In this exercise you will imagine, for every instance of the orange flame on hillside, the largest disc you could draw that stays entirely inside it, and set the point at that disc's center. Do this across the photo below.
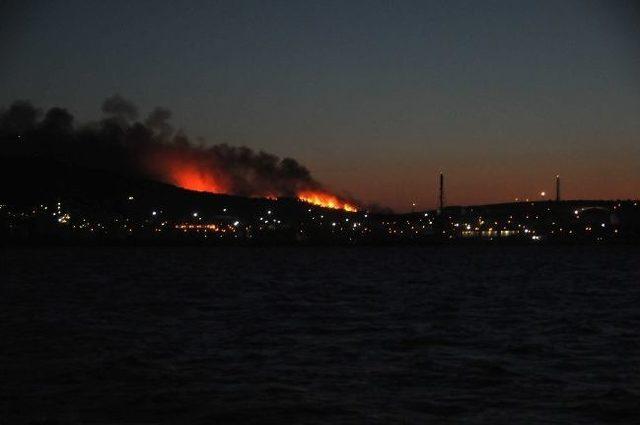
(190, 173)
(182, 171)
(194, 179)
(325, 200)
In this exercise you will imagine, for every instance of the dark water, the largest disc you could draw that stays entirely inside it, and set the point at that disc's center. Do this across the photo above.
(320, 335)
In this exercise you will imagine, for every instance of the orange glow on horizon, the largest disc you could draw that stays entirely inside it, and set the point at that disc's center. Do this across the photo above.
(192, 178)
(191, 174)
(325, 200)
(184, 171)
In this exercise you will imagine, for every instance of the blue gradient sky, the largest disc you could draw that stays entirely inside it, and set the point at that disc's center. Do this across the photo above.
(374, 97)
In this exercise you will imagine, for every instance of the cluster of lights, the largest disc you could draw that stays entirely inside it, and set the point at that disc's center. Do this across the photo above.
(209, 227)
(533, 224)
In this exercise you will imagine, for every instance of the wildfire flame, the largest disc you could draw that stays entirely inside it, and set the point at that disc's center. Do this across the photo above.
(194, 179)
(325, 200)
(189, 173)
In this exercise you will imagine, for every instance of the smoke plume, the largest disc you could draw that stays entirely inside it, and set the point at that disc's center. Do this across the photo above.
(151, 148)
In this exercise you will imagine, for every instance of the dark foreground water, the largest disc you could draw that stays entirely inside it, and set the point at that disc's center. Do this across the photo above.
(320, 335)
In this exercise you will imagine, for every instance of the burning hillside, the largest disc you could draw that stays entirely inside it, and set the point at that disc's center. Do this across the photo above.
(326, 200)
(203, 170)
(153, 149)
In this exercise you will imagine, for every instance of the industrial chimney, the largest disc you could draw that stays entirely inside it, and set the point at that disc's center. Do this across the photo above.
(441, 193)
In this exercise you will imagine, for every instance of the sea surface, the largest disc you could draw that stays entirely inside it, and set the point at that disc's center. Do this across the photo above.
(320, 335)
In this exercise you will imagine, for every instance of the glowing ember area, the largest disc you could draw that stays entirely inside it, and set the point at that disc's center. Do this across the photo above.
(183, 171)
(187, 170)
(193, 179)
(325, 200)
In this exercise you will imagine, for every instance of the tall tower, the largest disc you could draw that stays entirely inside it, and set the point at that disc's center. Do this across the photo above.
(441, 194)
(557, 188)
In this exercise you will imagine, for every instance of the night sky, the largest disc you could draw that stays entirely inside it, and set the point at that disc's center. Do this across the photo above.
(376, 98)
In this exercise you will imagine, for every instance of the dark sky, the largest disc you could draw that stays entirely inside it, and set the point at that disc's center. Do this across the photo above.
(374, 97)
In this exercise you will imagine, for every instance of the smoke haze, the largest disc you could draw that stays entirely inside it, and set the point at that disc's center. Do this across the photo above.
(149, 148)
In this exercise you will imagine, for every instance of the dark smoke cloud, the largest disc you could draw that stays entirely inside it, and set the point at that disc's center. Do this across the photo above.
(120, 109)
(19, 119)
(151, 149)
(158, 121)
(57, 121)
